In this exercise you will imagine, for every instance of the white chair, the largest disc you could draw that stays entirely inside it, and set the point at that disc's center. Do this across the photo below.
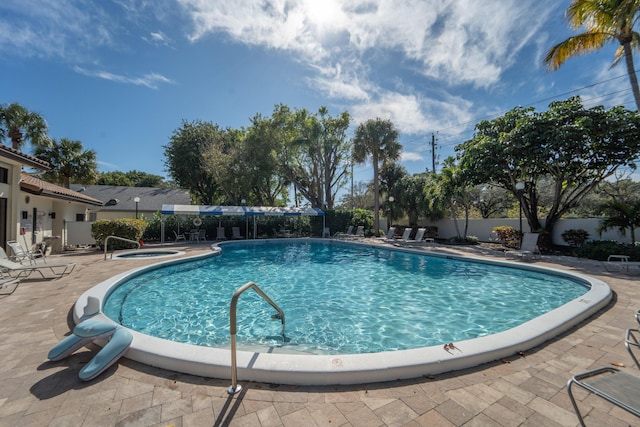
(220, 234)
(57, 270)
(236, 233)
(390, 233)
(360, 231)
(180, 237)
(202, 235)
(326, 232)
(20, 254)
(405, 234)
(528, 247)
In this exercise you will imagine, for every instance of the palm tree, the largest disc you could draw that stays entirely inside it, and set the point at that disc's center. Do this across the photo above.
(622, 216)
(19, 125)
(68, 162)
(606, 21)
(379, 139)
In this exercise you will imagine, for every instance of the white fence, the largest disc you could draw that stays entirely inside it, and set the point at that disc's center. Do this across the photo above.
(78, 233)
(481, 228)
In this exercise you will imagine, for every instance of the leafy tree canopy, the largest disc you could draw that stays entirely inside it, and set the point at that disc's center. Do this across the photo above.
(132, 178)
(569, 148)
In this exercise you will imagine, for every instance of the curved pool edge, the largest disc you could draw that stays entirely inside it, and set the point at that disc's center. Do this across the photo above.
(299, 369)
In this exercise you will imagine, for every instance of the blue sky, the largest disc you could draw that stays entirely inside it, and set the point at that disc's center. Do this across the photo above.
(121, 75)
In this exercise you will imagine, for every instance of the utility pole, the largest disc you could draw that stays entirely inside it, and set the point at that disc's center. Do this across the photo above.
(433, 153)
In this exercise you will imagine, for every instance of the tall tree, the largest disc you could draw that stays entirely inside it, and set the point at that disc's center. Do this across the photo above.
(567, 149)
(606, 21)
(185, 159)
(21, 125)
(378, 139)
(69, 162)
(316, 159)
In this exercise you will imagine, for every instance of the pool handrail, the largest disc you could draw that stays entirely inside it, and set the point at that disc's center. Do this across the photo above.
(235, 387)
(117, 238)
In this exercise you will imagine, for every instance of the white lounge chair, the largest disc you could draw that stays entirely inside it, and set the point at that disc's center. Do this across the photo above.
(528, 247)
(326, 232)
(390, 233)
(16, 270)
(180, 237)
(418, 239)
(8, 283)
(20, 254)
(220, 234)
(236, 233)
(340, 235)
(405, 234)
(360, 231)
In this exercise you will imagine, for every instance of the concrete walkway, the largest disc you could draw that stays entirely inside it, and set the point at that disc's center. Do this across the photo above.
(523, 390)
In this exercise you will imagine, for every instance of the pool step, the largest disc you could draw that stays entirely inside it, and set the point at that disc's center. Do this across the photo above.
(88, 331)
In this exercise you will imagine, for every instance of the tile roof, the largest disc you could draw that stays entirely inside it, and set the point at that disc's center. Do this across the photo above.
(24, 159)
(37, 186)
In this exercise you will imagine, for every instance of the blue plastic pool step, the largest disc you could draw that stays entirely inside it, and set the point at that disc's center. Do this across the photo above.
(88, 331)
(119, 343)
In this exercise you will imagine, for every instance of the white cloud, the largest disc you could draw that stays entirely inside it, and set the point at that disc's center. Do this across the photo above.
(151, 80)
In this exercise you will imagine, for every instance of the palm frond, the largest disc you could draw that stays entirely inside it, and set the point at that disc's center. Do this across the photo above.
(577, 45)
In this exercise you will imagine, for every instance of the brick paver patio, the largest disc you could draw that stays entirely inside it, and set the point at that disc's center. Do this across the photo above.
(523, 390)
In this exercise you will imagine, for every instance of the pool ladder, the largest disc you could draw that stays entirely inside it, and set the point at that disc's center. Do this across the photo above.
(235, 387)
(106, 240)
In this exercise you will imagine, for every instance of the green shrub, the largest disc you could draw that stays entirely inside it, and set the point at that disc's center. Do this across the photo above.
(507, 235)
(601, 249)
(126, 228)
(575, 237)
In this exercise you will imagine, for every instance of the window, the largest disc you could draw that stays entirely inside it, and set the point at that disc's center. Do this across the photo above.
(80, 217)
(4, 175)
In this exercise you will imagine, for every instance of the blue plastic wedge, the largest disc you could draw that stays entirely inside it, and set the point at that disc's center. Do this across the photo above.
(94, 329)
(67, 346)
(110, 353)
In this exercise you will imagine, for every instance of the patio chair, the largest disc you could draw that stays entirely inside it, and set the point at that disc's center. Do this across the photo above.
(528, 247)
(611, 384)
(220, 234)
(202, 235)
(180, 237)
(390, 233)
(326, 232)
(20, 254)
(57, 270)
(348, 233)
(360, 231)
(236, 233)
(8, 283)
(405, 234)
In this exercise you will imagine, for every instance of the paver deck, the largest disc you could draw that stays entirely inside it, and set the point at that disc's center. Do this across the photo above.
(523, 390)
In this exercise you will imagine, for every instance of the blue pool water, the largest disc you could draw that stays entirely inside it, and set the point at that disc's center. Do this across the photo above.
(337, 298)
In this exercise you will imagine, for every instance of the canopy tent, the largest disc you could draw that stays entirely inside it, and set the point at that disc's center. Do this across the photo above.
(254, 211)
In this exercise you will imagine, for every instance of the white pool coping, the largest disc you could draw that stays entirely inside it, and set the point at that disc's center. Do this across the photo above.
(283, 368)
(165, 254)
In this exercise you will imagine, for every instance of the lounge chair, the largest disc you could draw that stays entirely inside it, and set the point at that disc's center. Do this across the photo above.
(528, 247)
(180, 237)
(236, 233)
(20, 254)
(202, 235)
(360, 231)
(16, 270)
(8, 283)
(348, 233)
(326, 232)
(390, 233)
(220, 234)
(620, 263)
(405, 234)
(417, 239)
(612, 384)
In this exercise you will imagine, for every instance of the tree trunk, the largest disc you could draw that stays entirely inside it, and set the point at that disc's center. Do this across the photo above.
(633, 79)
(376, 197)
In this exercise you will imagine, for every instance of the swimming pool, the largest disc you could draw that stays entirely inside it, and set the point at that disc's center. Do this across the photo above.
(421, 346)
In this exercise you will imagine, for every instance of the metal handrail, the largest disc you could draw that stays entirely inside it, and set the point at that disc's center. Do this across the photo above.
(235, 387)
(117, 238)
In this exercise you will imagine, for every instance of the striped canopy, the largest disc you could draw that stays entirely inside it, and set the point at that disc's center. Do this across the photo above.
(202, 210)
